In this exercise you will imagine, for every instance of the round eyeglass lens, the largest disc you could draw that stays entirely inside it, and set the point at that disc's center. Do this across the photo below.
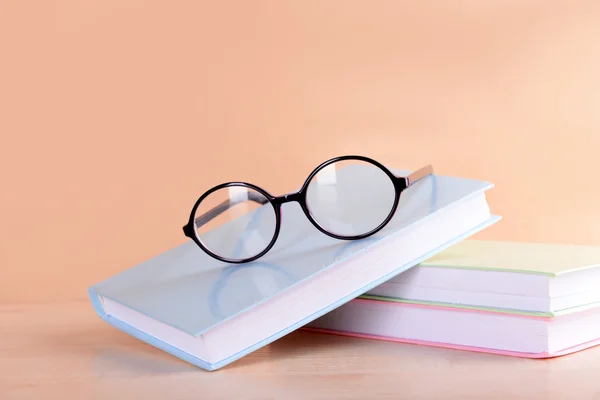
(235, 222)
(350, 197)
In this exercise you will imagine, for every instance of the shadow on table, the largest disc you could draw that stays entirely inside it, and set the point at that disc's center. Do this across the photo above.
(111, 352)
(298, 346)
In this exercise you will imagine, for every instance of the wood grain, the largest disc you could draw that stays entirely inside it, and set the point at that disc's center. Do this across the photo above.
(64, 351)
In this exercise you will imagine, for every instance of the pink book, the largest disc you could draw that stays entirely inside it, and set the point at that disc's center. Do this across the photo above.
(515, 299)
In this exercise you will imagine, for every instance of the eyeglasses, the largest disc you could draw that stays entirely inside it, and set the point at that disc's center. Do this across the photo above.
(348, 198)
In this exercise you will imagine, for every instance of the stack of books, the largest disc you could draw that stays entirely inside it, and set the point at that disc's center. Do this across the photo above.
(418, 280)
(521, 299)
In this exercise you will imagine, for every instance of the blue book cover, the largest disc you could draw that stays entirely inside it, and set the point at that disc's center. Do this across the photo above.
(211, 313)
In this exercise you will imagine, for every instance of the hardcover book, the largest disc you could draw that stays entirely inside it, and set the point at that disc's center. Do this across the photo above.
(211, 313)
(530, 300)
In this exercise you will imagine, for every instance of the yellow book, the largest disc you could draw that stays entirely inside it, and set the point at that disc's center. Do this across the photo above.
(516, 277)
(534, 258)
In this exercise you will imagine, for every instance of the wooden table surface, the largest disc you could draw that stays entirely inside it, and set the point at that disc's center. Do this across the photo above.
(65, 351)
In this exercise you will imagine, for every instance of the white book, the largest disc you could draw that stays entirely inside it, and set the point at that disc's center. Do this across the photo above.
(464, 329)
(211, 313)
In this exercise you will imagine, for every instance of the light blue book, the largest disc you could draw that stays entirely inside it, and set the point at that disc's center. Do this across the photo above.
(210, 313)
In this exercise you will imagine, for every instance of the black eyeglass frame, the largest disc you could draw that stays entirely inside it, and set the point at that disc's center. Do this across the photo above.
(400, 183)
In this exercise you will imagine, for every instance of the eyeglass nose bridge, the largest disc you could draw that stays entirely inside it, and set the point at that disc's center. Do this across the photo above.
(288, 198)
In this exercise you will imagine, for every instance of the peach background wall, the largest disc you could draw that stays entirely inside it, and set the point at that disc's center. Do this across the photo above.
(115, 115)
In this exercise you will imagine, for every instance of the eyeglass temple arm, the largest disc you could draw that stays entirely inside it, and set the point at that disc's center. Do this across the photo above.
(419, 174)
(225, 205)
